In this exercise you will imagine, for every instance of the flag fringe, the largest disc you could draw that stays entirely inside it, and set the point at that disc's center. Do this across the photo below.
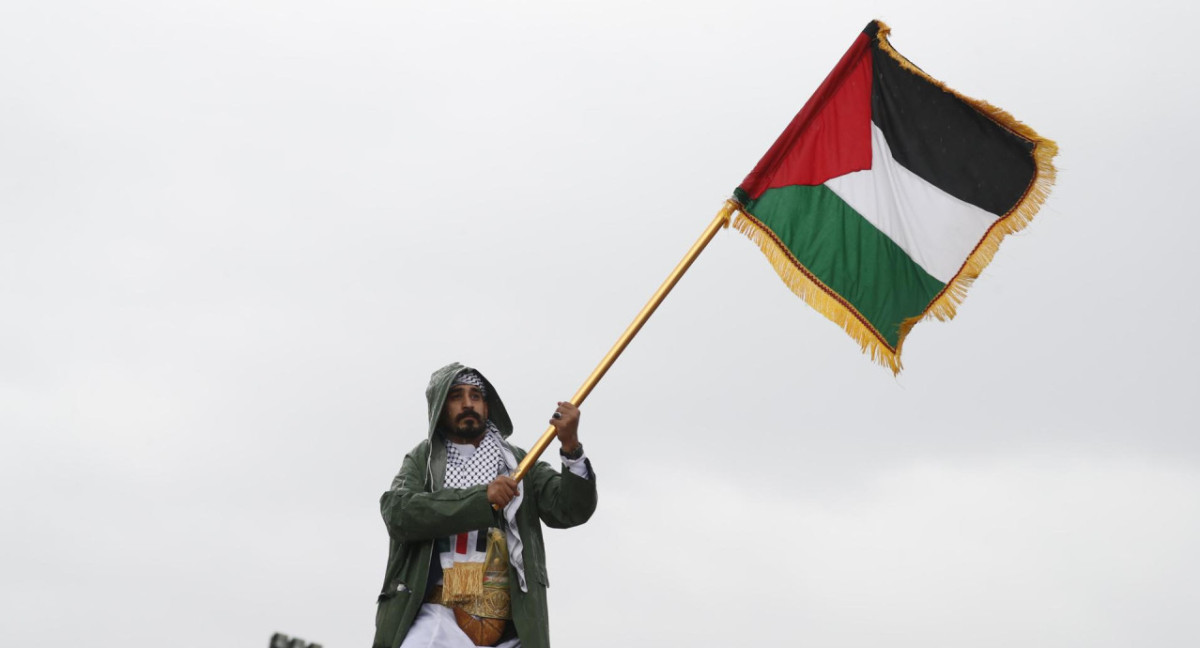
(945, 305)
(816, 294)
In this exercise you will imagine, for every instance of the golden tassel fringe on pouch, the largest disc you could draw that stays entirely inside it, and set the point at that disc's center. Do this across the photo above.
(462, 583)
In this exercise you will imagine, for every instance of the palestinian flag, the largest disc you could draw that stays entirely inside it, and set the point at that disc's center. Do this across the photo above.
(889, 193)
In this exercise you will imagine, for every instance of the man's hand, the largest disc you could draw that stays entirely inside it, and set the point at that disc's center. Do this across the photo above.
(566, 422)
(501, 491)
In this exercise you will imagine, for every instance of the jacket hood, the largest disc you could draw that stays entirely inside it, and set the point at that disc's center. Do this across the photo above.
(439, 386)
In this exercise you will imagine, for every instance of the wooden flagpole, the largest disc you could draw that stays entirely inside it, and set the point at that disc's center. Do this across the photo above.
(720, 221)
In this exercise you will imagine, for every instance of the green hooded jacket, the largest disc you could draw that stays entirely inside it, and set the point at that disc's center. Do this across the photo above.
(417, 510)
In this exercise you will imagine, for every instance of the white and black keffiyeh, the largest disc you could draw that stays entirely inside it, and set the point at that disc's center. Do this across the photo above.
(470, 378)
(481, 467)
(489, 459)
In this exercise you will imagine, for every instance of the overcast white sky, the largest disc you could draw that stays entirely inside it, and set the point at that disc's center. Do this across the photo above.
(236, 238)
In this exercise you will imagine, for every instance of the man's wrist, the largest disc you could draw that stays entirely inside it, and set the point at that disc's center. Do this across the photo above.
(572, 453)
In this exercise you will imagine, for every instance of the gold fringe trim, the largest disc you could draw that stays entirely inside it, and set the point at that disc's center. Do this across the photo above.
(462, 583)
(945, 305)
(819, 296)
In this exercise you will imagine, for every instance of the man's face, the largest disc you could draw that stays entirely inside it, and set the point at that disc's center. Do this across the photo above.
(465, 412)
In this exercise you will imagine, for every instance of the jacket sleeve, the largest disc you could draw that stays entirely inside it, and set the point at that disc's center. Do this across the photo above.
(412, 514)
(564, 498)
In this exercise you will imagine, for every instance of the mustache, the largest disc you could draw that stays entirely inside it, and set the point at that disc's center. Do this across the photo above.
(468, 414)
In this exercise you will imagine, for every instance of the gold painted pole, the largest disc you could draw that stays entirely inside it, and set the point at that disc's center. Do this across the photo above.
(721, 220)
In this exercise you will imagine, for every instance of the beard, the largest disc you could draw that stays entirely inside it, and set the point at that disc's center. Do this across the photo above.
(468, 426)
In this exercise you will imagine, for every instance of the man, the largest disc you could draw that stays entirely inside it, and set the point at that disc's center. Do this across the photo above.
(467, 563)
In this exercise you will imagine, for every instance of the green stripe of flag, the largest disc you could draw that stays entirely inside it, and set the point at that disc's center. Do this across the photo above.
(848, 254)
